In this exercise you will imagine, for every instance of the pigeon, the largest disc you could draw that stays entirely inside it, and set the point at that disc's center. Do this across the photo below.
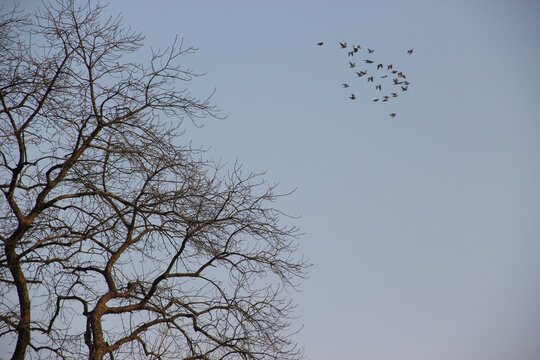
(356, 48)
(370, 50)
(380, 66)
(410, 52)
(384, 76)
(370, 79)
(352, 97)
(396, 82)
(350, 53)
(369, 61)
(374, 100)
(378, 87)
(393, 115)
(352, 64)
(389, 66)
(320, 43)
(343, 45)
(386, 98)
(345, 85)
(404, 88)
(361, 73)
(394, 95)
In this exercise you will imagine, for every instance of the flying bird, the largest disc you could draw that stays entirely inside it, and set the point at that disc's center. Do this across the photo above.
(361, 73)
(343, 45)
(350, 53)
(369, 61)
(396, 82)
(380, 66)
(410, 52)
(384, 76)
(389, 66)
(370, 50)
(352, 97)
(370, 79)
(393, 115)
(378, 87)
(394, 95)
(320, 43)
(356, 48)
(404, 88)
(345, 85)
(352, 64)
(374, 100)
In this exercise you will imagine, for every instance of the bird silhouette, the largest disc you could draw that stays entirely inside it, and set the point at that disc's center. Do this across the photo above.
(379, 66)
(389, 66)
(374, 100)
(352, 64)
(320, 43)
(394, 94)
(384, 76)
(361, 73)
(378, 87)
(393, 115)
(343, 45)
(356, 48)
(345, 85)
(410, 52)
(404, 88)
(352, 97)
(370, 79)
(369, 61)
(350, 53)
(370, 50)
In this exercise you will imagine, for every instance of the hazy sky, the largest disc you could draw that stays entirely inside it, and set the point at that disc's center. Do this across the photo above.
(424, 229)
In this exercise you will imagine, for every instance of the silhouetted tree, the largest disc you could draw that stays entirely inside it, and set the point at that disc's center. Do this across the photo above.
(117, 241)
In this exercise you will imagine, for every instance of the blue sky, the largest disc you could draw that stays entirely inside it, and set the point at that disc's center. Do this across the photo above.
(424, 229)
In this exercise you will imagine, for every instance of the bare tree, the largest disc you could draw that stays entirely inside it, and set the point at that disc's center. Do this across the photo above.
(118, 241)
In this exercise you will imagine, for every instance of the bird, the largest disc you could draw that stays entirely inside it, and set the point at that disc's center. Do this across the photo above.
(393, 115)
(361, 73)
(389, 66)
(394, 71)
(394, 94)
(399, 74)
(356, 48)
(396, 82)
(320, 43)
(370, 79)
(343, 45)
(379, 66)
(352, 64)
(384, 76)
(352, 97)
(370, 50)
(410, 52)
(350, 53)
(378, 87)
(369, 61)
(345, 85)
(404, 88)
(374, 100)
(386, 98)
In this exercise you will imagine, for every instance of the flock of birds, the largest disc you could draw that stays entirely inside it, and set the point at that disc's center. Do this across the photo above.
(378, 76)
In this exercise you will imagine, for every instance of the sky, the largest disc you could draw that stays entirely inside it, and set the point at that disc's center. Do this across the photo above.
(423, 229)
